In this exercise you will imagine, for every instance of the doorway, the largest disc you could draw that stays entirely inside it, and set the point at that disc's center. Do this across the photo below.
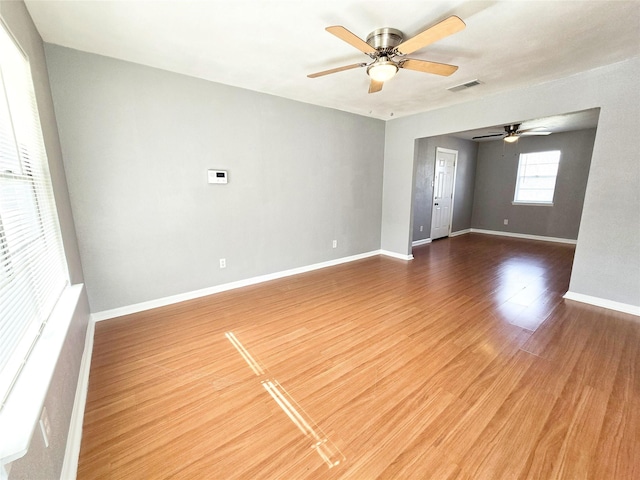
(485, 176)
(443, 191)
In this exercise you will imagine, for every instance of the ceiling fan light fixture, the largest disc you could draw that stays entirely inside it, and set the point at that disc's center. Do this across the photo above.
(511, 138)
(382, 70)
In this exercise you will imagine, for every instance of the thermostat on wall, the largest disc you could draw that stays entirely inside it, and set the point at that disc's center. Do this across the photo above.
(217, 176)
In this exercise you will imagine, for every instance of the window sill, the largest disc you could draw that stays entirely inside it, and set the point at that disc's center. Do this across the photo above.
(21, 413)
(534, 204)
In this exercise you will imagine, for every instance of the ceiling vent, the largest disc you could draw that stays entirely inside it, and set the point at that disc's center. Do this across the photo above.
(464, 86)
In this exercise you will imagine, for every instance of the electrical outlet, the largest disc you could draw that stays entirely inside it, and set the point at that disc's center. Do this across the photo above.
(506, 221)
(335, 243)
(223, 263)
(421, 227)
(45, 427)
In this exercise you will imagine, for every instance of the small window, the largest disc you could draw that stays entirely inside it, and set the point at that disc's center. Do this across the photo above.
(536, 182)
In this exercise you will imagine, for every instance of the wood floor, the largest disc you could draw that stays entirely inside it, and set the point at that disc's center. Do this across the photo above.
(463, 363)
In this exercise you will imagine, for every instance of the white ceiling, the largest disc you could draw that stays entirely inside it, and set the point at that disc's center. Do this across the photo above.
(271, 45)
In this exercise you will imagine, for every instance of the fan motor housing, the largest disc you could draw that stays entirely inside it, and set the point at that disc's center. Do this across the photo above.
(385, 38)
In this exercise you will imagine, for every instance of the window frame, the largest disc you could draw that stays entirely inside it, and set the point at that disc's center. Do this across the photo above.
(519, 176)
(39, 238)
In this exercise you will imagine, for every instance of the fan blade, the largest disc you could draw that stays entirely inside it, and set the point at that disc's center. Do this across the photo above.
(353, 40)
(428, 67)
(534, 129)
(532, 133)
(487, 136)
(447, 27)
(336, 70)
(375, 86)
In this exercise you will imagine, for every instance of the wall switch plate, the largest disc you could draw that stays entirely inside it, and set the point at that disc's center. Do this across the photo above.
(223, 263)
(421, 226)
(335, 243)
(506, 221)
(217, 176)
(45, 427)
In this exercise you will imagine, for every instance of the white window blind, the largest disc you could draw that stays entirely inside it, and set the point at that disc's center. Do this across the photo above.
(537, 172)
(33, 271)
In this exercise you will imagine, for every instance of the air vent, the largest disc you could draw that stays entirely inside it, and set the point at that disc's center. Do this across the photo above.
(464, 86)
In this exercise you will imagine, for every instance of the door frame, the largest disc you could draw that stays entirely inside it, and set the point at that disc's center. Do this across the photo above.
(453, 187)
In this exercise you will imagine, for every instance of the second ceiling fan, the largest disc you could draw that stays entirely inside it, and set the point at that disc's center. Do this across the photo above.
(386, 47)
(513, 132)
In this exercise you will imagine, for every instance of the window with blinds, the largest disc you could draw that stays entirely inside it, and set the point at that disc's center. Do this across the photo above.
(33, 270)
(536, 182)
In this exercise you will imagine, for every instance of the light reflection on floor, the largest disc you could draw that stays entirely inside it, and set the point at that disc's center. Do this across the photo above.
(329, 453)
(522, 293)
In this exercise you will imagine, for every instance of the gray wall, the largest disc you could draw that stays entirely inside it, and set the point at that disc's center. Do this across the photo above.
(496, 177)
(41, 462)
(465, 182)
(137, 143)
(424, 164)
(607, 259)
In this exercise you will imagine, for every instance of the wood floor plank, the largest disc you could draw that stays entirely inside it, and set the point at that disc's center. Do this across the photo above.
(580, 442)
(513, 429)
(462, 437)
(619, 440)
(463, 363)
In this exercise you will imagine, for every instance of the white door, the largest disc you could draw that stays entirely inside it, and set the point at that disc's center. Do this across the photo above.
(443, 181)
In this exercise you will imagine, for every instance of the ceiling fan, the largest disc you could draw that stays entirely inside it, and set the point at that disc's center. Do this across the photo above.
(386, 47)
(513, 132)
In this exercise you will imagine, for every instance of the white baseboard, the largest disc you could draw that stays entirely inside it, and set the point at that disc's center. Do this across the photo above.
(460, 232)
(604, 303)
(163, 302)
(74, 438)
(396, 255)
(424, 241)
(525, 235)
